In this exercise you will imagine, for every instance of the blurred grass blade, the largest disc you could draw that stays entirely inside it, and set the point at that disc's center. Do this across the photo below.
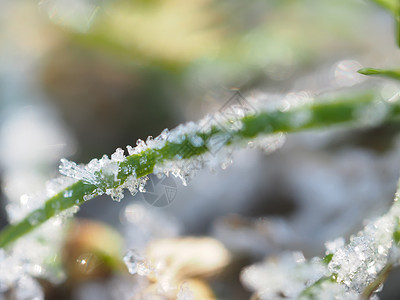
(391, 5)
(398, 23)
(394, 7)
(394, 73)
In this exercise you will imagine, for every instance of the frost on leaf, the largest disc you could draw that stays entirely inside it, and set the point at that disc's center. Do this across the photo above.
(359, 263)
(181, 152)
(346, 273)
(102, 173)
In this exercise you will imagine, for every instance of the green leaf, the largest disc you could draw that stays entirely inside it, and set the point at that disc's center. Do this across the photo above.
(393, 73)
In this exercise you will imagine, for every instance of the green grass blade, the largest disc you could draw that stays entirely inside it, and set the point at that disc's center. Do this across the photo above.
(393, 73)
(321, 114)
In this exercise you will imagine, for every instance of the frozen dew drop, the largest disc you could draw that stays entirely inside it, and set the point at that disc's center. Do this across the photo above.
(70, 212)
(270, 143)
(163, 135)
(299, 257)
(335, 245)
(149, 140)
(130, 150)
(68, 194)
(132, 185)
(143, 160)
(216, 142)
(131, 259)
(116, 194)
(142, 183)
(140, 144)
(118, 155)
(90, 196)
(137, 264)
(381, 250)
(196, 140)
(34, 218)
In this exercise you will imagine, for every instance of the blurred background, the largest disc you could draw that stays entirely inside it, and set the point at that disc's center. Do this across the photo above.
(80, 78)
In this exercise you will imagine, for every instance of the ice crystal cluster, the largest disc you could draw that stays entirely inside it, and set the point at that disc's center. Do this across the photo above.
(347, 274)
(357, 264)
(207, 143)
(102, 173)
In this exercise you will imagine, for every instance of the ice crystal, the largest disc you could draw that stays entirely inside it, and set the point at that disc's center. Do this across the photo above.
(269, 143)
(335, 245)
(102, 173)
(137, 264)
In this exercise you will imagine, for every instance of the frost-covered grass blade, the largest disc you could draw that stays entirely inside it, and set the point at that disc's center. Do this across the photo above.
(188, 147)
(355, 270)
